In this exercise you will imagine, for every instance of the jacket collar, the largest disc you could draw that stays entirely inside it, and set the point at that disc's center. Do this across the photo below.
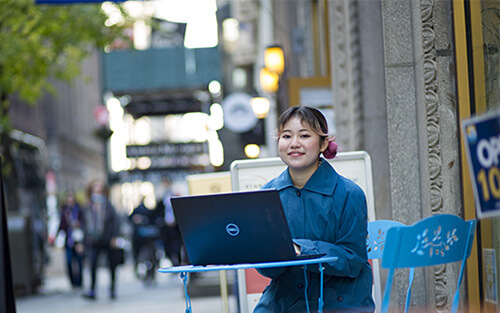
(323, 180)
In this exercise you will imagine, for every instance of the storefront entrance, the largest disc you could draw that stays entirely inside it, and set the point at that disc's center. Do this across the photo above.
(477, 38)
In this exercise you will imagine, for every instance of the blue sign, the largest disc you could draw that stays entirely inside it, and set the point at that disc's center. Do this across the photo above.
(482, 144)
(73, 1)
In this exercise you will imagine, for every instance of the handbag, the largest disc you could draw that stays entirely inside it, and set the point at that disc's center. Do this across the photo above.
(77, 235)
(119, 256)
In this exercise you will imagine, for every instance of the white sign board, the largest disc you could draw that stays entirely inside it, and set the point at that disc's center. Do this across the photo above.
(253, 174)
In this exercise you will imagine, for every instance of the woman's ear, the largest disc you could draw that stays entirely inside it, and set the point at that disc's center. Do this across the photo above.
(324, 144)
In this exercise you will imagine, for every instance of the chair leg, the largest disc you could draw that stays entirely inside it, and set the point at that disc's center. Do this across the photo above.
(456, 298)
(387, 293)
(408, 293)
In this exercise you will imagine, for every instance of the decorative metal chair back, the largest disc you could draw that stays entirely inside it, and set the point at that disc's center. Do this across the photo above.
(377, 233)
(437, 239)
(375, 241)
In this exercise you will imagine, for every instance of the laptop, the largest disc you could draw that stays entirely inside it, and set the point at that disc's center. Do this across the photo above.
(235, 228)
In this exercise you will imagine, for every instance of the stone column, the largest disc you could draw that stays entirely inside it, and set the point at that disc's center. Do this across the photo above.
(439, 149)
(422, 127)
(403, 131)
(345, 64)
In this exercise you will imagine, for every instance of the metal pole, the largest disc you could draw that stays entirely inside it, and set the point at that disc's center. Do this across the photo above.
(223, 291)
(270, 123)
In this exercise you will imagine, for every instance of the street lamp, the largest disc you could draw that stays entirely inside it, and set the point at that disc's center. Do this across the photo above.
(269, 81)
(274, 59)
(260, 106)
(252, 151)
(270, 74)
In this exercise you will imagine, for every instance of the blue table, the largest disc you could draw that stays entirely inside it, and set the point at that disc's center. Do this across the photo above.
(183, 270)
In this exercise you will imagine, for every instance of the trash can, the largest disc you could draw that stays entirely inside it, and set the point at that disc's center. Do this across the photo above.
(26, 274)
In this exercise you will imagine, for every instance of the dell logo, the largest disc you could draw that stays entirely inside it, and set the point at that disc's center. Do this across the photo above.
(232, 229)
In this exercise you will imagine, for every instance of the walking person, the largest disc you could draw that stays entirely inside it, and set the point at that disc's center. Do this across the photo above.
(140, 219)
(72, 223)
(170, 231)
(327, 213)
(102, 231)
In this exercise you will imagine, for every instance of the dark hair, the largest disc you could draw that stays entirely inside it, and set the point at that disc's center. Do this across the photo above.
(94, 182)
(311, 116)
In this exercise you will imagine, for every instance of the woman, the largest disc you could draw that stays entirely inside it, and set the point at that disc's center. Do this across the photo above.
(72, 223)
(327, 213)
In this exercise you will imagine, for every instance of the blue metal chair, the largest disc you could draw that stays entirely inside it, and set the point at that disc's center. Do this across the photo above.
(375, 241)
(434, 240)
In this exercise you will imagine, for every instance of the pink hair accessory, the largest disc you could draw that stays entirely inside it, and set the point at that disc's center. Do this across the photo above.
(331, 150)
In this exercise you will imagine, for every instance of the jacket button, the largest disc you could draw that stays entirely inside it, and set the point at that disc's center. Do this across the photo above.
(298, 193)
(340, 299)
(300, 285)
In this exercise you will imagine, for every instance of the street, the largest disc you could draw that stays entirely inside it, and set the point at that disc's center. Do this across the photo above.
(167, 295)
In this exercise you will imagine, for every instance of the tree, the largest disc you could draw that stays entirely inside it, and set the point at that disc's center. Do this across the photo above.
(38, 45)
(42, 42)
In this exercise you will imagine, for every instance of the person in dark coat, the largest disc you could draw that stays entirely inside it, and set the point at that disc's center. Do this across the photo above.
(102, 231)
(140, 218)
(171, 234)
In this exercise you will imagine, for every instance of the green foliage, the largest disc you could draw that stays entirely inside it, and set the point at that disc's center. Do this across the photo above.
(43, 42)
(38, 42)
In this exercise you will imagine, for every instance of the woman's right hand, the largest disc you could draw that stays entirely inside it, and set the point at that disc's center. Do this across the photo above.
(297, 248)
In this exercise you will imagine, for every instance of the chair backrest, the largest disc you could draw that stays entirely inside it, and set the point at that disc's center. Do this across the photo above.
(434, 240)
(375, 242)
(377, 234)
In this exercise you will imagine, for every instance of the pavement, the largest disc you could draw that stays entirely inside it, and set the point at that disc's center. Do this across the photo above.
(165, 296)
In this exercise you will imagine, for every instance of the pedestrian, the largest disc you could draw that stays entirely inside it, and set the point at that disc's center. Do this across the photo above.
(72, 223)
(102, 231)
(171, 234)
(327, 213)
(140, 219)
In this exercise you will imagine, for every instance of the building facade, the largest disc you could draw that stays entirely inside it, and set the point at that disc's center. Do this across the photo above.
(55, 149)
(75, 150)
(400, 76)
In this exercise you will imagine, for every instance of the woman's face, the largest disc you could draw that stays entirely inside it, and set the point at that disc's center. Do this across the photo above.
(299, 146)
(98, 188)
(70, 199)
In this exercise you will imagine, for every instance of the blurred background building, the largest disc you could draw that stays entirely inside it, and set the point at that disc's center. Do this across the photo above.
(394, 78)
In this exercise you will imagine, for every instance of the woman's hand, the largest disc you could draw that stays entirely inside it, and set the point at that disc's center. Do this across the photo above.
(297, 248)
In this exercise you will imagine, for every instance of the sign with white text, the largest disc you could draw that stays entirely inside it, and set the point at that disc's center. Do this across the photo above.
(482, 144)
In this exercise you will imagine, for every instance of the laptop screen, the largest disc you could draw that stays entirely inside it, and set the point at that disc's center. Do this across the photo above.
(232, 228)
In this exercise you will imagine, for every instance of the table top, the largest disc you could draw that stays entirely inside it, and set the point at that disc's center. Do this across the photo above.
(208, 268)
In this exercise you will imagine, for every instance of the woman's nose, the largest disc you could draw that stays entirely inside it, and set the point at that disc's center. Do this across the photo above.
(295, 142)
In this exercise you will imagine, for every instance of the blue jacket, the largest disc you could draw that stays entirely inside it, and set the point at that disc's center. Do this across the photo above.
(328, 215)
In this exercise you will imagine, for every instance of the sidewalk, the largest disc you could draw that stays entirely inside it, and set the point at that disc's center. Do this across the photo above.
(167, 295)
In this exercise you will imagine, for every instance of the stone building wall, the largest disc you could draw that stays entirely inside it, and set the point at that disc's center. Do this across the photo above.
(394, 85)
(76, 154)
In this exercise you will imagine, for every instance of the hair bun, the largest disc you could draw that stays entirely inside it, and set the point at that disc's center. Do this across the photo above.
(331, 150)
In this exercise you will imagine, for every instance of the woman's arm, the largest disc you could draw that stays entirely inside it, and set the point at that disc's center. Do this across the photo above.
(350, 239)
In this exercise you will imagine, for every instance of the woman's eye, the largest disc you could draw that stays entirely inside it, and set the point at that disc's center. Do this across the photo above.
(285, 136)
(305, 136)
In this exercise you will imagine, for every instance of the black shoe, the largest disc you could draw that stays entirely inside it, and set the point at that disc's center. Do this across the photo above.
(89, 295)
